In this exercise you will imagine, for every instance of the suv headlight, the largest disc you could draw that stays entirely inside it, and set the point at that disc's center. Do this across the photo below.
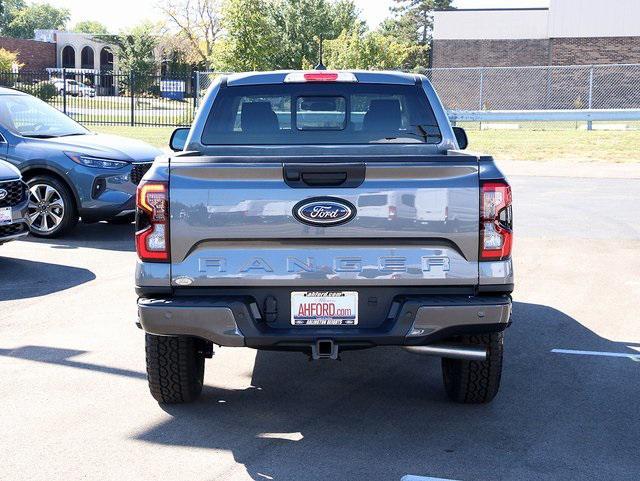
(95, 162)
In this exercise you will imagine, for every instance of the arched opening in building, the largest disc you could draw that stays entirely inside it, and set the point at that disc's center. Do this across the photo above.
(86, 58)
(106, 69)
(106, 59)
(68, 57)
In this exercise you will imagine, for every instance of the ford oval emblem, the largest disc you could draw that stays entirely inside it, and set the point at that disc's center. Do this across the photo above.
(3, 194)
(324, 211)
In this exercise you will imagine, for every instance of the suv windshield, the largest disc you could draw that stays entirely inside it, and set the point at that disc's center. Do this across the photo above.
(31, 117)
(327, 113)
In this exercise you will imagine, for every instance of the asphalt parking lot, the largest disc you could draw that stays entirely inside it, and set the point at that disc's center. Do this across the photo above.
(75, 404)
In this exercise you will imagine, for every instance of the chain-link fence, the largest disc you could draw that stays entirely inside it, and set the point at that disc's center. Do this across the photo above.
(538, 88)
(205, 79)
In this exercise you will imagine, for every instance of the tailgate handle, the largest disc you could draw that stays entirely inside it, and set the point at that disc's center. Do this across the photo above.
(324, 178)
(343, 175)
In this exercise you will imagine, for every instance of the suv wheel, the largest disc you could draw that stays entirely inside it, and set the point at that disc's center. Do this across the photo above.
(475, 382)
(51, 209)
(175, 368)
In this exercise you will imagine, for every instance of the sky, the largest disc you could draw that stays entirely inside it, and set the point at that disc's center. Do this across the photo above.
(120, 14)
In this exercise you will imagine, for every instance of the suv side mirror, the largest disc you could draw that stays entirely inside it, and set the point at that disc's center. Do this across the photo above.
(461, 137)
(179, 139)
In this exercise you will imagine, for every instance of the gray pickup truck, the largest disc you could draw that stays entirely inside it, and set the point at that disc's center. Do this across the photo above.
(322, 212)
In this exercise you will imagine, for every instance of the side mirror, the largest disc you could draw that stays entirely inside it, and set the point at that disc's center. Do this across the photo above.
(461, 137)
(179, 139)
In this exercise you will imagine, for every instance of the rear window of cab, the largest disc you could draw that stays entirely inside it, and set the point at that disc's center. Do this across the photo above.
(321, 113)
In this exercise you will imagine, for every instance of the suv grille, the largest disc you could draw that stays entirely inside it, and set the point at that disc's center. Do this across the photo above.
(138, 171)
(15, 193)
(12, 229)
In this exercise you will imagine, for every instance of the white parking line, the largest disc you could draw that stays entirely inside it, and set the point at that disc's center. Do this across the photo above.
(411, 477)
(633, 357)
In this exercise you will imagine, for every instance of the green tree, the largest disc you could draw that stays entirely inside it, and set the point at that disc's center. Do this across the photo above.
(36, 16)
(91, 26)
(250, 42)
(371, 50)
(136, 54)
(300, 23)
(8, 12)
(412, 23)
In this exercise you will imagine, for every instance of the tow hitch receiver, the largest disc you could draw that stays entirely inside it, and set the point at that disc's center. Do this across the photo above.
(324, 349)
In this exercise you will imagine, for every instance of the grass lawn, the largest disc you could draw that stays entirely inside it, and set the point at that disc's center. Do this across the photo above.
(158, 136)
(569, 145)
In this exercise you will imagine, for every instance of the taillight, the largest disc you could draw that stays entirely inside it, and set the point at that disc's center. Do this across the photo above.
(152, 221)
(393, 212)
(496, 223)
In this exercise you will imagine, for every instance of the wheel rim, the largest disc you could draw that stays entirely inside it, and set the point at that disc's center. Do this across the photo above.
(46, 208)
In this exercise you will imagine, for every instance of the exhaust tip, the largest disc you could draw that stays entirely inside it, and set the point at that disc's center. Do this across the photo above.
(450, 351)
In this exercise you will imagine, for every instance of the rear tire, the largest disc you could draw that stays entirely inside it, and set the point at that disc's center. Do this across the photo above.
(475, 382)
(175, 368)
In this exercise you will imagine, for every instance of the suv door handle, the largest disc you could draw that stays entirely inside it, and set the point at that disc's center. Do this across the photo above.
(316, 175)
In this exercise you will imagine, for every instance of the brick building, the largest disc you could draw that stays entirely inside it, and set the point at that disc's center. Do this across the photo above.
(34, 55)
(569, 32)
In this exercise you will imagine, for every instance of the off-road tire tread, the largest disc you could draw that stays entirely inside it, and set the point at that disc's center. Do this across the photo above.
(475, 382)
(175, 368)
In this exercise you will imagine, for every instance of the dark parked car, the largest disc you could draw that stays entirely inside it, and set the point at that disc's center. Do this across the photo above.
(72, 173)
(13, 204)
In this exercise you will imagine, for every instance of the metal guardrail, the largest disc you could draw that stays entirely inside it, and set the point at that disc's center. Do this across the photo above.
(585, 115)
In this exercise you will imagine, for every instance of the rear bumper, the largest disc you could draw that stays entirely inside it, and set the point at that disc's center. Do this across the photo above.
(237, 321)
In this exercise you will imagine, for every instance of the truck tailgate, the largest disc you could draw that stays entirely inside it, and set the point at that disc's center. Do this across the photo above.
(232, 224)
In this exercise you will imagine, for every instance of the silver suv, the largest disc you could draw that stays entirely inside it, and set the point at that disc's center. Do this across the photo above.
(321, 212)
(13, 204)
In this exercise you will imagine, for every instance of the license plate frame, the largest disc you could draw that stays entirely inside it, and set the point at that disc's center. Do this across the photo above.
(6, 217)
(324, 308)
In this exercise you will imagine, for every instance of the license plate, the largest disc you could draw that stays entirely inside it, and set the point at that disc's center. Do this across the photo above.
(314, 308)
(5, 216)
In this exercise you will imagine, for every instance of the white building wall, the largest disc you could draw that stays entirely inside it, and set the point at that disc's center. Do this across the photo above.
(594, 18)
(77, 41)
(565, 18)
(491, 24)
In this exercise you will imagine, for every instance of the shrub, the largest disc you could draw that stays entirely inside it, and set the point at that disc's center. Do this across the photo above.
(43, 90)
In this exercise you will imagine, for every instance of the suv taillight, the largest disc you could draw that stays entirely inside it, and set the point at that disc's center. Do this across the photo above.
(152, 221)
(496, 223)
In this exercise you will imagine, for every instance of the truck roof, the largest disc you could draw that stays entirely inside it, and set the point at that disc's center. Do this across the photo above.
(364, 76)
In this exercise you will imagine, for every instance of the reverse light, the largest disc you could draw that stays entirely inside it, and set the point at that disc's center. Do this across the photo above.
(320, 76)
(496, 223)
(152, 221)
